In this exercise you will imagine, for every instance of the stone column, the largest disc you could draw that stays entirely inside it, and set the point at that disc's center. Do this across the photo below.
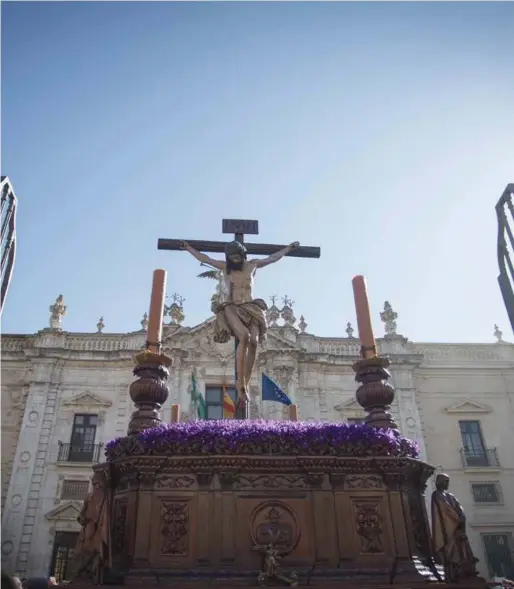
(28, 468)
(123, 409)
(409, 415)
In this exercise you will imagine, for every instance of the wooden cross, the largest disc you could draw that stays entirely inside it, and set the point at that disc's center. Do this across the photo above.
(239, 228)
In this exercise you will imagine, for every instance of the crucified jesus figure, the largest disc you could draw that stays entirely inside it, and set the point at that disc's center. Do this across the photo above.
(240, 315)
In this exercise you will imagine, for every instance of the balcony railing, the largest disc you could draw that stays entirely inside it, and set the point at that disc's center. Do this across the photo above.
(487, 458)
(73, 453)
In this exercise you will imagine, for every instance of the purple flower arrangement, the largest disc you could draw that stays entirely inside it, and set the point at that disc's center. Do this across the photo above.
(252, 437)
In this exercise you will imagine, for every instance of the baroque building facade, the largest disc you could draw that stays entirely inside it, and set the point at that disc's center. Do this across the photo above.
(64, 395)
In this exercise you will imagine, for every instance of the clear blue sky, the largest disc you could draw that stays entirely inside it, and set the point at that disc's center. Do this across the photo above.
(380, 132)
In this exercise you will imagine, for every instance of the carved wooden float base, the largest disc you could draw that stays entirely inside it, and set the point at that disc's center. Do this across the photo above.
(202, 521)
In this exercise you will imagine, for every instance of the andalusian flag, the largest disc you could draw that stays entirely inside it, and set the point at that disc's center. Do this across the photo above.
(197, 398)
(229, 408)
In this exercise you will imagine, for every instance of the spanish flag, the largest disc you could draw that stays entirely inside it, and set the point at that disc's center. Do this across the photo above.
(229, 409)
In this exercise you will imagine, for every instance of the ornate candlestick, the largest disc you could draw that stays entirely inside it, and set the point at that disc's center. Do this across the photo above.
(150, 391)
(375, 395)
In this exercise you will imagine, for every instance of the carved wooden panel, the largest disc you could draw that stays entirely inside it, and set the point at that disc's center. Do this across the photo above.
(287, 521)
(124, 526)
(174, 528)
(274, 523)
(369, 525)
(173, 537)
(119, 526)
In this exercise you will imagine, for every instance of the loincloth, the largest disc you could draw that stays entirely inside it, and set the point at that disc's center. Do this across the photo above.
(249, 313)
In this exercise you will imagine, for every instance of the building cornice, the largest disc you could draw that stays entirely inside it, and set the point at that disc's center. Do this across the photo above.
(306, 347)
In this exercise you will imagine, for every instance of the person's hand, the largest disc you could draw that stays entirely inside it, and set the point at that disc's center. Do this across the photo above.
(294, 245)
(184, 245)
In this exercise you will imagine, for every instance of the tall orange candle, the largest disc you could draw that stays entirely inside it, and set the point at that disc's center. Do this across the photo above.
(175, 413)
(156, 313)
(366, 336)
(293, 412)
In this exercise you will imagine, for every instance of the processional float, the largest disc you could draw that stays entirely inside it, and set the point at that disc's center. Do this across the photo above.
(238, 503)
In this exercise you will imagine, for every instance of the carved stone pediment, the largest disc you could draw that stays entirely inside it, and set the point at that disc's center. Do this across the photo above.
(350, 408)
(275, 342)
(468, 406)
(65, 512)
(199, 341)
(222, 352)
(179, 338)
(87, 399)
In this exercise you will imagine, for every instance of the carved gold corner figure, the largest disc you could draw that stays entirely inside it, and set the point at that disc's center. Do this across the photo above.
(238, 314)
(450, 541)
(92, 549)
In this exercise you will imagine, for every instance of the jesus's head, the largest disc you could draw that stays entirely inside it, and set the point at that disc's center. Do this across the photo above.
(235, 256)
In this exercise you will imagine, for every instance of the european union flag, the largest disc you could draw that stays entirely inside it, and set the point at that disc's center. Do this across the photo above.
(272, 392)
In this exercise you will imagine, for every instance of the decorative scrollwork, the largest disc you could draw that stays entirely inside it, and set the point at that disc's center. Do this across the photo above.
(394, 471)
(363, 482)
(266, 481)
(369, 527)
(174, 527)
(174, 482)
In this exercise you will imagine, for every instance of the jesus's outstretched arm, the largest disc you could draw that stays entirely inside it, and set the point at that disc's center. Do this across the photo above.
(202, 257)
(275, 257)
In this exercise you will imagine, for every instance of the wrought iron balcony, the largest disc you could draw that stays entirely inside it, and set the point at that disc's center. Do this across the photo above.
(85, 453)
(486, 458)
